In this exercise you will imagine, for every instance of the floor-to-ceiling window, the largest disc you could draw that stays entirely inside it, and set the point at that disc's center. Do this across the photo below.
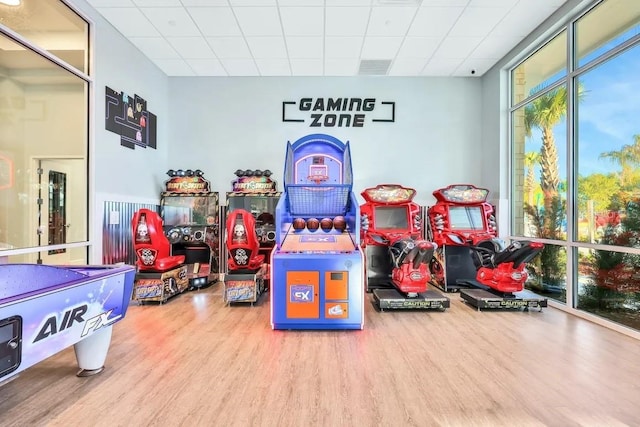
(44, 133)
(575, 161)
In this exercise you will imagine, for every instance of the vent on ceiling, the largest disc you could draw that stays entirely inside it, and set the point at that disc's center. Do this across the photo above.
(374, 67)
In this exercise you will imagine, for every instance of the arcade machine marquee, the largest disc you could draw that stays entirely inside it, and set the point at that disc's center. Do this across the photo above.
(397, 258)
(317, 272)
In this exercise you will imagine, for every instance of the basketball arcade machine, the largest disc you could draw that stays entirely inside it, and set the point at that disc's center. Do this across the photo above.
(317, 268)
(397, 257)
(250, 235)
(189, 210)
(470, 258)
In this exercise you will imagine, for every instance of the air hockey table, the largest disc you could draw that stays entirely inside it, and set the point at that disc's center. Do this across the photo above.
(45, 309)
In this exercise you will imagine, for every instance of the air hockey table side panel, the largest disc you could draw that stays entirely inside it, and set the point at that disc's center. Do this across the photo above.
(63, 312)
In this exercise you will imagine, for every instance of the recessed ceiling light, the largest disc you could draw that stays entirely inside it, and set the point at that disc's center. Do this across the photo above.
(11, 2)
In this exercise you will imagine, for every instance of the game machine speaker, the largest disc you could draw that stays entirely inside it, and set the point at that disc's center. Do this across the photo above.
(253, 191)
(397, 255)
(160, 275)
(190, 211)
(317, 265)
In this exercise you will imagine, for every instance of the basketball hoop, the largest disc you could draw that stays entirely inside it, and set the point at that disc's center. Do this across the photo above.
(317, 179)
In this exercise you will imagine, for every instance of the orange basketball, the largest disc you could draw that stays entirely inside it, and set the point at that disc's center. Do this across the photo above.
(313, 224)
(339, 223)
(299, 224)
(326, 224)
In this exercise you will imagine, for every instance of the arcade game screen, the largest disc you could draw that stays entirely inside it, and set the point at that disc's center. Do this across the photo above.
(466, 218)
(262, 208)
(391, 218)
(188, 210)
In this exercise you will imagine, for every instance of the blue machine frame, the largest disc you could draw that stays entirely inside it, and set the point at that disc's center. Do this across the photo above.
(317, 271)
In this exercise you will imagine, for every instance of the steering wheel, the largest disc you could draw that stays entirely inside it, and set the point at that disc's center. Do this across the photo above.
(174, 235)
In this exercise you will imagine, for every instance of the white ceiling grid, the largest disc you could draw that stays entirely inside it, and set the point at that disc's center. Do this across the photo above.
(324, 37)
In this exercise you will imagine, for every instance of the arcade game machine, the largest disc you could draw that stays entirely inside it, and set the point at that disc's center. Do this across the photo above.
(461, 218)
(159, 275)
(189, 210)
(317, 268)
(45, 309)
(254, 193)
(397, 257)
(470, 258)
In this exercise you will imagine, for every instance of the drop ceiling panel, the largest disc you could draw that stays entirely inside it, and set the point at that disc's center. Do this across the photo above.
(215, 21)
(171, 21)
(305, 47)
(229, 47)
(302, 21)
(325, 37)
(259, 21)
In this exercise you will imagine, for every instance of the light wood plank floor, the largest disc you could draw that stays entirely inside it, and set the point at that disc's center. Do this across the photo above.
(195, 362)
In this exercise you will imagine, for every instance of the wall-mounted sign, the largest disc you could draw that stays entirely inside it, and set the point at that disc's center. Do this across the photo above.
(338, 112)
(128, 117)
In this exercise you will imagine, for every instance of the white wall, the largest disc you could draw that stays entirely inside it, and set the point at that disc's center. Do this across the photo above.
(122, 174)
(219, 125)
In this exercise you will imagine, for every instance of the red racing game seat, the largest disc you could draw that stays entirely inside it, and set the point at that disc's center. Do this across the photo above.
(153, 250)
(242, 242)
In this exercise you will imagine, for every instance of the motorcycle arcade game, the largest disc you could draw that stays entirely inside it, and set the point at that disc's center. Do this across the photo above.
(471, 259)
(189, 210)
(397, 257)
(317, 271)
(249, 241)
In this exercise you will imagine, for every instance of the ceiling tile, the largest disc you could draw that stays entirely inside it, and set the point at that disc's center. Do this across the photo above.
(302, 21)
(267, 47)
(380, 47)
(457, 47)
(418, 47)
(171, 21)
(305, 47)
(253, 2)
(407, 67)
(300, 3)
(240, 67)
(157, 3)
(259, 21)
(522, 20)
(340, 67)
(174, 67)
(130, 22)
(111, 3)
(215, 21)
(155, 47)
(204, 3)
(306, 67)
(229, 47)
(390, 21)
(273, 67)
(477, 21)
(441, 67)
(191, 47)
(206, 67)
(495, 47)
(480, 66)
(348, 2)
(448, 3)
(343, 47)
(508, 4)
(346, 21)
(434, 21)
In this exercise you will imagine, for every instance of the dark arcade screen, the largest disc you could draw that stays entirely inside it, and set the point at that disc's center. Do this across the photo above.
(391, 218)
(189, 210)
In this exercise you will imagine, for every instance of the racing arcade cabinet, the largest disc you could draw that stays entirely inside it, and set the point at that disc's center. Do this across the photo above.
(397, 257)
(190, 212)
(461, 218)
(317, 272)
(255, 192)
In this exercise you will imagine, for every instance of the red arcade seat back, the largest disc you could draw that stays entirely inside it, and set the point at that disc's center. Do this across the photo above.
(242, 242)
(153, 250)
